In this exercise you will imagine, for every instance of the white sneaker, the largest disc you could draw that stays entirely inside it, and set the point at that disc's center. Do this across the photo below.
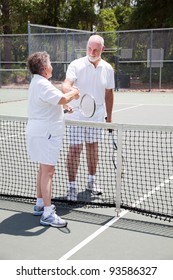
(72, 194)
(38, 211)
(93, 188)
(53, 220)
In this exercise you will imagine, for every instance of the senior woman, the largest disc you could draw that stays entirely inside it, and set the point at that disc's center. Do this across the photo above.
(44, 132)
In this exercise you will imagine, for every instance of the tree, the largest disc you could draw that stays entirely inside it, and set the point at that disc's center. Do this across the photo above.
(122, 14)
(5, 16)
(52, 12)
(151, 14)
(14, 15)
(6, 29)
(84, 14)
(122, 10)
(107, 20)
(80, 14)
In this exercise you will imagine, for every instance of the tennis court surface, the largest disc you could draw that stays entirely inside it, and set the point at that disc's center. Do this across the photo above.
(145, 159)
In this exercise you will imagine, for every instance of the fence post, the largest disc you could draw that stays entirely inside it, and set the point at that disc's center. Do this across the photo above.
(0, 68)
(29, 38)
(151, 48)
(29, 45)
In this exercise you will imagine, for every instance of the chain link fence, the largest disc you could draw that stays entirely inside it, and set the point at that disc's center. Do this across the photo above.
(13, 56)
(142, 59)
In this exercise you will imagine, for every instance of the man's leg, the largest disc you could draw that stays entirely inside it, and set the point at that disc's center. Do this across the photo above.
(92, 157)
(92, 160)
(73, 161)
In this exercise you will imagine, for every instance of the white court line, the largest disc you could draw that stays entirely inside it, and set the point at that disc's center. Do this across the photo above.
(92, 236)
(112, 221)
(127, 108)
(150, 193)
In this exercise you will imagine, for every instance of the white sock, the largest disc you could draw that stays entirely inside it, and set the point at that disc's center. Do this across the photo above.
(40, 202)
(72, 185)
(91, 178)
(47, 211)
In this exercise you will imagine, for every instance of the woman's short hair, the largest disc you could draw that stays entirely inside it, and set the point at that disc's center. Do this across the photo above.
(38, 61)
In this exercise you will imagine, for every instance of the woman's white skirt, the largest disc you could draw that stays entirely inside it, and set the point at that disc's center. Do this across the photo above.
(44, 149)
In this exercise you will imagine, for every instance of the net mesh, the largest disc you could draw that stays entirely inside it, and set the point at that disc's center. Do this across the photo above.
(141, 169)
(149, 162)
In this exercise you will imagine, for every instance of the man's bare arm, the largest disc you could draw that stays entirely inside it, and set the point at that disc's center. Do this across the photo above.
(67, 85)
(109, 101)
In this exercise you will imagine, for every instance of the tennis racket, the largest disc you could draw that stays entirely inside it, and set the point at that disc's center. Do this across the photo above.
(87, 106)
(114, 158)
(115, 148)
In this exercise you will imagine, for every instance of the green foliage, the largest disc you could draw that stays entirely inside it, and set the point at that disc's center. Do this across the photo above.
(107, 20)
(10, 77)
(122, 14)
(77, 14)
(151, 14)
(85, 14)
(80, 14)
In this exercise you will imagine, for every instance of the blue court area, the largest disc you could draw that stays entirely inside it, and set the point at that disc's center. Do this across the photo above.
(93, 233)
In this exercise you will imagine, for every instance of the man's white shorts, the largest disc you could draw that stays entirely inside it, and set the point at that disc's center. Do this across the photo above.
(44, 149)
(78, 135)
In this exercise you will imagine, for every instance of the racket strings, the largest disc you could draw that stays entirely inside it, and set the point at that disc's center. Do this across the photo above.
(87, 105)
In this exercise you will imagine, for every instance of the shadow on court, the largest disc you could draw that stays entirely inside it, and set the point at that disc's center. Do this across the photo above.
(22, 224)
(25, 224)
(22, 236)
(144, 227)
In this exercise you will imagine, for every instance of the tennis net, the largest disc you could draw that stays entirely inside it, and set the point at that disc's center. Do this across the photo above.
(137, 176)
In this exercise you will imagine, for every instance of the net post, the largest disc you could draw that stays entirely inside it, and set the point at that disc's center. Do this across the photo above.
(119, 170)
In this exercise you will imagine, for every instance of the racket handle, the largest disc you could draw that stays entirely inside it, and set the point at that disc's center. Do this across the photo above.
(110, 130)
(66, 111)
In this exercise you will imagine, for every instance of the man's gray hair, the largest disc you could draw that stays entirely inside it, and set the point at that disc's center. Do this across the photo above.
(97, 39)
